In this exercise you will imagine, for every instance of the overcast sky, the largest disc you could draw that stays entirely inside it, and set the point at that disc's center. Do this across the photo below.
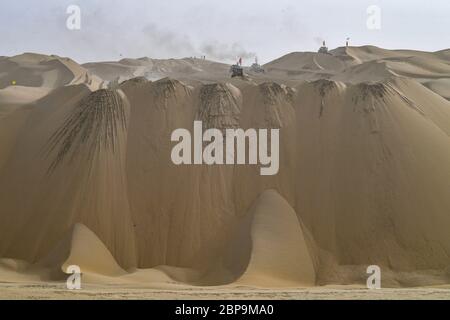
(222, 30)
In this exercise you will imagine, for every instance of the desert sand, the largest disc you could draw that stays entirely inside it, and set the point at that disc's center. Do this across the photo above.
(86, 177)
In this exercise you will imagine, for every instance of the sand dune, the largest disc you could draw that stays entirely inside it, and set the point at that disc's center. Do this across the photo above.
(37, 70)
(81, 247)
(279, 253)
(86, 175)
(155, 69)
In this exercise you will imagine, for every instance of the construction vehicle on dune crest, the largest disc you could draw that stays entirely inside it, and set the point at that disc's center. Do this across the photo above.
(236, 69)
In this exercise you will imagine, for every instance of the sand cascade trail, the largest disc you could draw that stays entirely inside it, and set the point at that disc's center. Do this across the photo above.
(86, 176)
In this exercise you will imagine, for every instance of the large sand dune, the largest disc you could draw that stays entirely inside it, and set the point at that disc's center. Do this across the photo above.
(86, 176)
(37, 70)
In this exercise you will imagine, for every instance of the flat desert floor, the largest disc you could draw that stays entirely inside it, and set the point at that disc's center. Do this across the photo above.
(58, 291)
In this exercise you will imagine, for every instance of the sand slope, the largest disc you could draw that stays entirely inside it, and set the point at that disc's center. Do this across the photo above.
(280, 255)
(81, 247)
(57, 195)
(364, 171)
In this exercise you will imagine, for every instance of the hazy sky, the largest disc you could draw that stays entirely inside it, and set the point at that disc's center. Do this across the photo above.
(222, 30)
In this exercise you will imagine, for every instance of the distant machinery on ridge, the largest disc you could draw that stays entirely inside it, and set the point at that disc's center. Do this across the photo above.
(323, 48)
(256, 67)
